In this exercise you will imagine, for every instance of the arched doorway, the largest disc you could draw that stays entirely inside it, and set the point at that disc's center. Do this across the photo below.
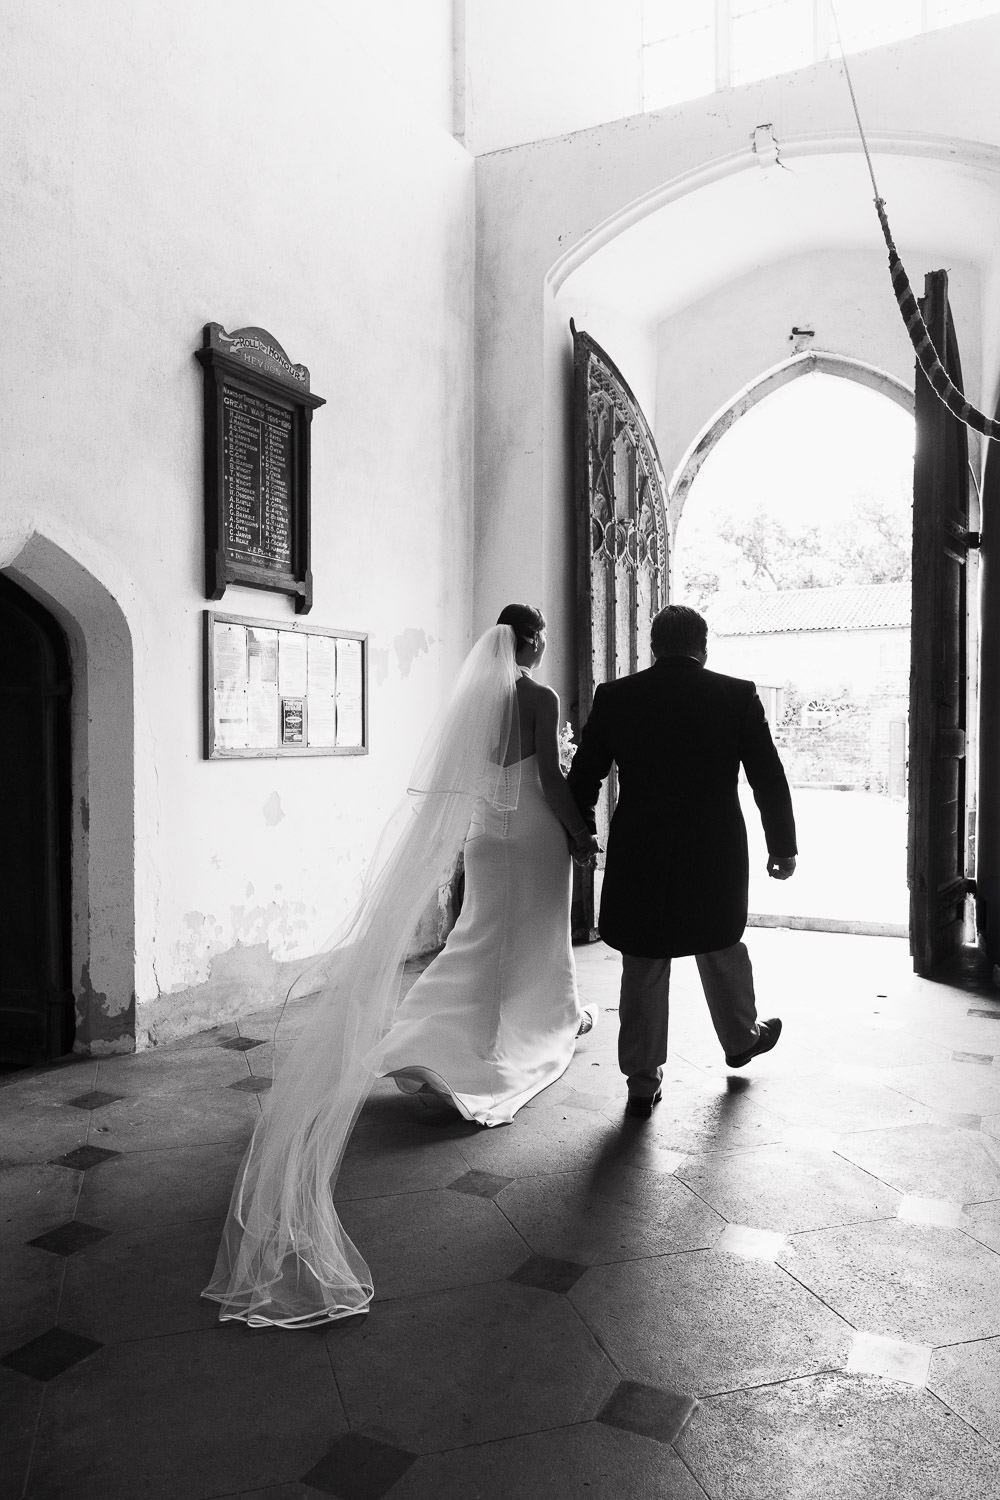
(36, 1000)
(793, 534)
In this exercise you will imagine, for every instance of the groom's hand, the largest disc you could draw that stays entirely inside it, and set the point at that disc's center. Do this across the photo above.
(585, 854)
(780, 867)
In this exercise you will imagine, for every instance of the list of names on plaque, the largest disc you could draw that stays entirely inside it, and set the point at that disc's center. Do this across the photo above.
(257, 473)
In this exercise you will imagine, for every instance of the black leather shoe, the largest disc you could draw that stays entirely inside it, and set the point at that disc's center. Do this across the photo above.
(640, 1106)
(769, 1034)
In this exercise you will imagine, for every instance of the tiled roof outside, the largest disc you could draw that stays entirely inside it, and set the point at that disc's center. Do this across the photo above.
(869, 606)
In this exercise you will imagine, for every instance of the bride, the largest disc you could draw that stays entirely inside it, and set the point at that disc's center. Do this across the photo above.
(488, 1025)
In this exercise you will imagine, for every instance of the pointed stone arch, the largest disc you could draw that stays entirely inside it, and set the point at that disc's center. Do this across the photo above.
(103, 926)
(814, 362)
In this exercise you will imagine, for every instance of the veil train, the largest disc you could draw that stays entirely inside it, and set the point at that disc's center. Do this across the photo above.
(284, 1258)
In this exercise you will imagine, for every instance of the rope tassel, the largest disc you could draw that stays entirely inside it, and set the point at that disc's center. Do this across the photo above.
(927, 356)
(941, 383)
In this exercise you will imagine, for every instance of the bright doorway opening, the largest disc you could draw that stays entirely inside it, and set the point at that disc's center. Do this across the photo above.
(795, 542)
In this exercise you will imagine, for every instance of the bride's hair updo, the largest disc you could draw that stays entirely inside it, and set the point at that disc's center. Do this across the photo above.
(525, 621)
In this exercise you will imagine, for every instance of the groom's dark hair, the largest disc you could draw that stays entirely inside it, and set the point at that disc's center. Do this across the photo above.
(524, 620)
(678, 631)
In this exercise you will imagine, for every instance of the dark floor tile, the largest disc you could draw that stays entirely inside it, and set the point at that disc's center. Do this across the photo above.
(945, 1085)
(481, 1363)
(443, 1117)
(242, 1043)
(967, 1379)
(30, 1289)
(38, 1130)
(836, 1437)
(51, 1354)
(932, 1161)
(550, 1138)
(480, 1184)
(161, 1119)
(547, 1274)
(921, 1283)
(96, 1099)
(143, 1188)
(69, 1238)
(586, 1461)
(649, 1410)
(165, 1070)
(143, 1282)
(430, 1242)
(186, 1417)
(982, 1221)
(34, 1197)
(275, 1492)
(592, 1218)
(985, 1015)
(708, 1322)
(972, 1057)
(359, 1468)
(398, 1158)
(85, 1157)
(787, 1188)
(20, 1402)
(251, 1085)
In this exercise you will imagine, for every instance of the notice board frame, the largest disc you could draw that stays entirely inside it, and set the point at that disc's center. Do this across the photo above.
(214, 749)
(253, 367)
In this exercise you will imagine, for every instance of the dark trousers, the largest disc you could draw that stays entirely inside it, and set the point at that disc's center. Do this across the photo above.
(644, 1010)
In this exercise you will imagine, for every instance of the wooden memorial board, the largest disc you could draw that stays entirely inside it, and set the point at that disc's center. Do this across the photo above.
(258, 415)
(276, 690)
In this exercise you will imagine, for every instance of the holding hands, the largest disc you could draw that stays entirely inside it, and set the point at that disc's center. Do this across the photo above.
(585, 849)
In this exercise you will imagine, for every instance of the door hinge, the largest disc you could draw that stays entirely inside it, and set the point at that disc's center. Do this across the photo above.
(973, 540)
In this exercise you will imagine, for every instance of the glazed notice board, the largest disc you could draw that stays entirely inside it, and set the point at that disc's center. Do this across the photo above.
(277, 690)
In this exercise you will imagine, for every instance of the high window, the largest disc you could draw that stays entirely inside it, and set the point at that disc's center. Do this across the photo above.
(694, 47)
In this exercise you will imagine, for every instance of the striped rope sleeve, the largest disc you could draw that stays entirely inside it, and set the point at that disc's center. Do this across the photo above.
(920, 338)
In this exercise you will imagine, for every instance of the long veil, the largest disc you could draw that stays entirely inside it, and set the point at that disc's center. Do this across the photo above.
(284, 1257)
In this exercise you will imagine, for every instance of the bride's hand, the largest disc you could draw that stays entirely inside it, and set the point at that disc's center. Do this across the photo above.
(585, 851)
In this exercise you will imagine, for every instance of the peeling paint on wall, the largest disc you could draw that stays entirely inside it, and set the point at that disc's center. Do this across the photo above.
(273, 811)
(239, 981)
(277, 927)
(102, 1029)
(408, 646)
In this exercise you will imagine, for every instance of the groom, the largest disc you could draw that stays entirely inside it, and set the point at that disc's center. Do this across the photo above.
(677, 870)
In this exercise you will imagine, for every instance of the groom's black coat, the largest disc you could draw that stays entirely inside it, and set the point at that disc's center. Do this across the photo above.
(676, 873)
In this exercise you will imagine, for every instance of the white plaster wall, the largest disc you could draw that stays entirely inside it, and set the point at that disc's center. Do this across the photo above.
(543, 208)
(537, 68)
(172, 165)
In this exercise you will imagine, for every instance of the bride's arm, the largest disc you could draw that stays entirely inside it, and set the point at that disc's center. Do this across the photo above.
(557, 793)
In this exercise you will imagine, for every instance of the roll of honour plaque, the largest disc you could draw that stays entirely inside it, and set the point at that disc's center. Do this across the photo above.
(258, 412)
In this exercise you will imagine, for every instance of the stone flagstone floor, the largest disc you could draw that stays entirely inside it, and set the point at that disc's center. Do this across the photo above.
(785, 1285)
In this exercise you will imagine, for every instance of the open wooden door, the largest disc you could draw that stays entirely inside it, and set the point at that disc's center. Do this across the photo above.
(988, 842)
(937, 867)
(622, 546)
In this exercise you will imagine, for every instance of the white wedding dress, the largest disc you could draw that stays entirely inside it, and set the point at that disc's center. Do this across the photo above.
(494, 1018)
(491, 1023)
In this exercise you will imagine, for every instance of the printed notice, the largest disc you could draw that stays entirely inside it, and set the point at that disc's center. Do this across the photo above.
(229, 644)
(293, 674)
(274, 690)
(229, 648)
(350, 694)
(322, 691)
(293, 712)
